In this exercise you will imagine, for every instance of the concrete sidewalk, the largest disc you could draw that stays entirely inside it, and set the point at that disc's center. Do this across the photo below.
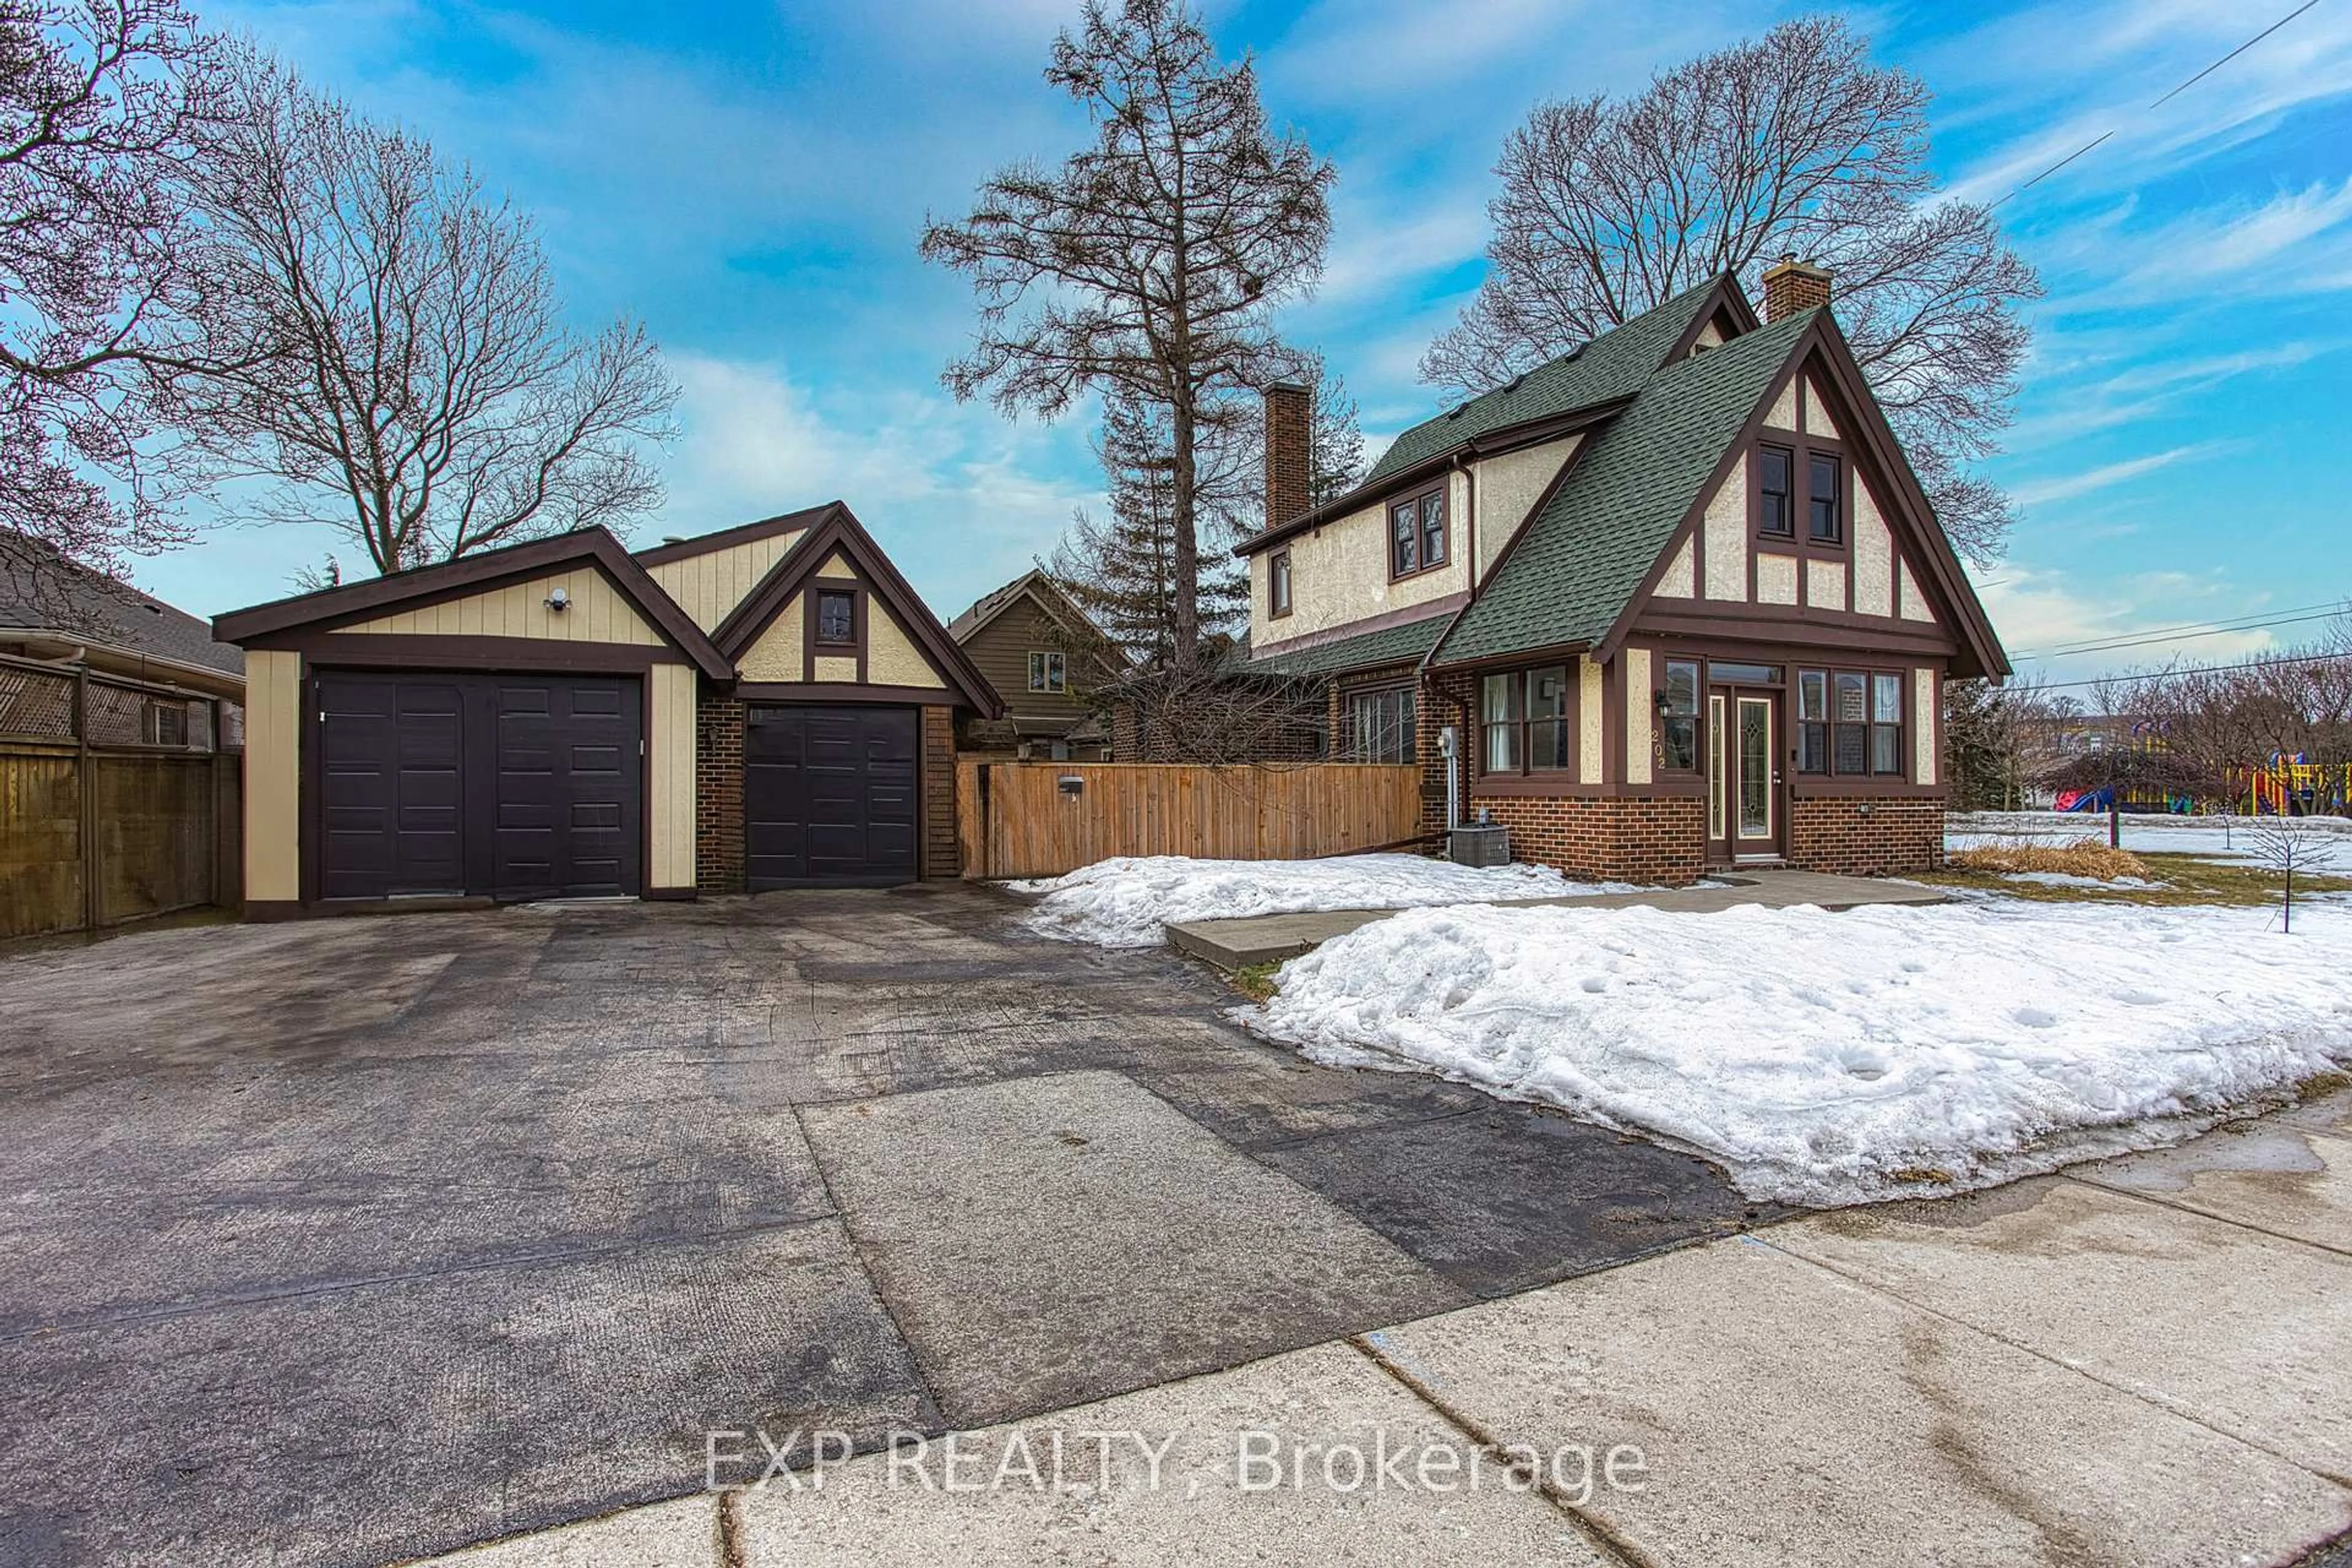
(1268, 938)
(2138, 1361)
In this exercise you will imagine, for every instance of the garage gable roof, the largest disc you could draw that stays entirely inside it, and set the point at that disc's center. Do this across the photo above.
(839, 530)
(424, 586)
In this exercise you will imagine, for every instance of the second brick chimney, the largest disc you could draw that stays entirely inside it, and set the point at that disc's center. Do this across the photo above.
(1791, 286)
(1287, 418)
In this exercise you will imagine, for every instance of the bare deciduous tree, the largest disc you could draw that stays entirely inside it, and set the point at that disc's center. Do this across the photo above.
(101, 103)
(1791, 144)
(1148, 263)
(422, 395)
(2289, 845)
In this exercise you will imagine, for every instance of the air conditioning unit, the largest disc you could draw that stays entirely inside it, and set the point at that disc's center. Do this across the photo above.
(1479, 844)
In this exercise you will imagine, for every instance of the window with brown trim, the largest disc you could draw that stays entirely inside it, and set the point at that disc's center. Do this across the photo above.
(1525, 723)
(1776, 510)
(1277, 583)
(1824, 498)
(1049, 670)
(1850, 723)
(1678, 717)
(836, 616)
(1417, 538)
(1380, 725)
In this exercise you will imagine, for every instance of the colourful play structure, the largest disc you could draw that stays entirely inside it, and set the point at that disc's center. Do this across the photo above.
(2290, 787)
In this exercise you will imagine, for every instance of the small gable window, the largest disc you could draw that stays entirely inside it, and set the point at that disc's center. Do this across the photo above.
(1277, 583)
(836, 615)
(1776, 509)
(1047, 670)
(1826, 500)
(1417, 538)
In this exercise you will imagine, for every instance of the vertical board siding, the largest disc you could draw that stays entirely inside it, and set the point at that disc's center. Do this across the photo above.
(41, 843)
(273, 775)
(597, 613)
(671, 693)
(161, 823)
(1016, 820)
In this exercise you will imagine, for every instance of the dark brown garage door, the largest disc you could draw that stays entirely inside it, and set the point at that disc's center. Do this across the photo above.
(514, 785)
(829, 797)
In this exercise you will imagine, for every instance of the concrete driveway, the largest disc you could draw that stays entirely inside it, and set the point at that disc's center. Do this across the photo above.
(356, 1240)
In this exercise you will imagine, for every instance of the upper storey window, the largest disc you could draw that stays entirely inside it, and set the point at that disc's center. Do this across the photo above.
(1417, 540)
(1825, 495)
(1775, 498)
(836, 615)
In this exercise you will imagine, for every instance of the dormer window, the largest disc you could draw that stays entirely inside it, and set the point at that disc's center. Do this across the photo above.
(1417, 540)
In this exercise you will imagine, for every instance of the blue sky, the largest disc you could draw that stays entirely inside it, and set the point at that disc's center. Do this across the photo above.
(750, 180)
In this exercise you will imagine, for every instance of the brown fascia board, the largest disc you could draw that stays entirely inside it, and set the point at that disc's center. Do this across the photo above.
(728, 538)
(841, 529)
(474, 573)
(1510, 438)
(1727, 297)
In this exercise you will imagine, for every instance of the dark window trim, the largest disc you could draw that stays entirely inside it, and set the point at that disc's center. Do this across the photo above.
(1444, 531)
(1697, 716)
(1905, 698)
(1278, 569)
(1788, 450)
(1798, 540)
(812, 649)
(1351, 740)
(1571, 719)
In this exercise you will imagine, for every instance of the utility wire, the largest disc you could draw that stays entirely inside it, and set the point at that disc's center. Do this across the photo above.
(2168, 98)
(2195, 629)
(2201, 669)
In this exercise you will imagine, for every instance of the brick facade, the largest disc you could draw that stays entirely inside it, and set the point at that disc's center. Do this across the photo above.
(1871, 838)
(941, 857)
(718, 796)
(1615, 838)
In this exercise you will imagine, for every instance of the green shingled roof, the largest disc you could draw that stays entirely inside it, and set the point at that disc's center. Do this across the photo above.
(1614, 366)
(1584, 556)
(1390, 645)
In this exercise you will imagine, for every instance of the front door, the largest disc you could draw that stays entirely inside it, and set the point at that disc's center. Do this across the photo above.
(1743, 783)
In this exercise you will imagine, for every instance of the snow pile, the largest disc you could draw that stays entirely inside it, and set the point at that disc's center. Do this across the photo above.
(1124, 901)
(2146, 833)
(1834, 1058)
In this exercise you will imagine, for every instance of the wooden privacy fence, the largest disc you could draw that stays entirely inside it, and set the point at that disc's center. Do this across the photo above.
(1041, 820)
(117, 800)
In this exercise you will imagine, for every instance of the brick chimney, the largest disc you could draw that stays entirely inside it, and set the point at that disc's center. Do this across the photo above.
(1793, 286)
(1286, 417)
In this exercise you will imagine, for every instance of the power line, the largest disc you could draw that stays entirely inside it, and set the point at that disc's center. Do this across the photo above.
(2175, 92)
(2201, 669)
(2195, 629)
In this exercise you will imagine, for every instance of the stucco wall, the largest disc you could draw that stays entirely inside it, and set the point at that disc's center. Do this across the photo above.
(1679, 581)
(1825, 583)
(596, 612)
(1776, 578)
(1727, 535)
(708, 586)
(1340, 572)
(1639, 696)
(1817, 414)
(273, 777)
(778, 653)
(1590, 719)
(1509, 485)
(671, 690)
(1874, 557)
(1908, 601)
(892, 657)
(839, 670)
(1925, 717)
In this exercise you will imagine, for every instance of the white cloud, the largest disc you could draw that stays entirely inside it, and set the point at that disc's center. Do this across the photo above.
(2066, 486)
(2037, 611)
(962, 498)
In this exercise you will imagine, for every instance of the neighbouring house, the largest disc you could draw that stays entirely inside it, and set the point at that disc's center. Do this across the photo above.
(119, 717)
(771, 706)
(1676, 596)
(1044, 657)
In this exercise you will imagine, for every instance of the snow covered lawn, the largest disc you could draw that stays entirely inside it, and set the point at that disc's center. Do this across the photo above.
(1834, 1058)
(2146, 833)
(1124, 901)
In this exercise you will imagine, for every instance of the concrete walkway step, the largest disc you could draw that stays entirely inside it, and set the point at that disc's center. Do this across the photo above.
(1246, 940)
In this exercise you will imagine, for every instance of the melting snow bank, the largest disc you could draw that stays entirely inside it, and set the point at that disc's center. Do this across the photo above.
(1836, 1059)
(1124, 901)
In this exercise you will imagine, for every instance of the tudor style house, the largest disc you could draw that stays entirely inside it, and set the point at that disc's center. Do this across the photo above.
(771, 706)
(1674, 599)
(1045, 657)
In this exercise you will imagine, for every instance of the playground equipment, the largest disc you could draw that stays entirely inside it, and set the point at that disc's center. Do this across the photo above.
(2287, 785)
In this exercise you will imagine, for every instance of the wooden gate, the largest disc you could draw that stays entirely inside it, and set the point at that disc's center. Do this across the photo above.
(1041, 820)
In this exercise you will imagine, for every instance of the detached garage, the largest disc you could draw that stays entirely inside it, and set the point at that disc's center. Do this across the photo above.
(769, 707)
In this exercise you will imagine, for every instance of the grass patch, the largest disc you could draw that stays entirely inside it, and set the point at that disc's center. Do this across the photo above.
(2185, 880)
(1255, 981)
(2083, 857)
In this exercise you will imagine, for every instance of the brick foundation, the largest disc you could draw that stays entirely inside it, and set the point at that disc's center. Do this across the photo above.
(1615, 838)
(718, 796)
(1866, 838)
